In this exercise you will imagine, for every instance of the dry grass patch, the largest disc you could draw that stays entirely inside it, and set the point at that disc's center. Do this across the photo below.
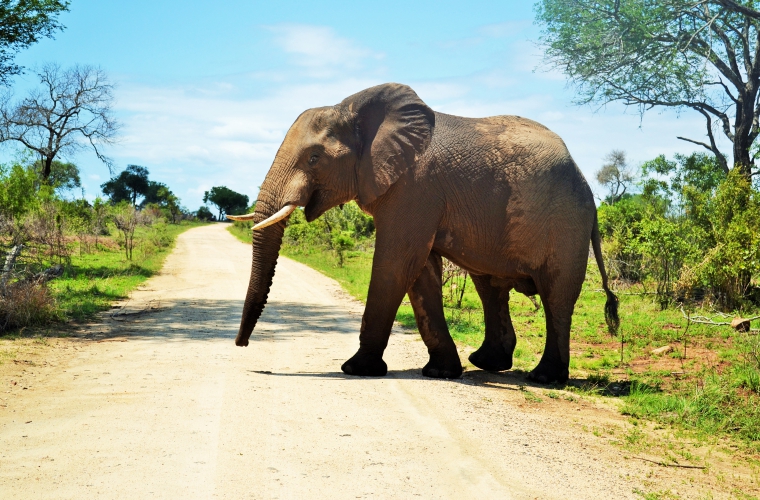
(26, 303)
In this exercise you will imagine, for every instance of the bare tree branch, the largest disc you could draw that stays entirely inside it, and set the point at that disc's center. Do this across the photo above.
(72, 111)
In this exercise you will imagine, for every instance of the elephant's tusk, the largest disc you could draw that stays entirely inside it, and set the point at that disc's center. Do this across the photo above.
(282, 214)
(240, 217)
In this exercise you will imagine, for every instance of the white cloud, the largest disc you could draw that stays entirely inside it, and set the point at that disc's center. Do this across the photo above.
(320, 50)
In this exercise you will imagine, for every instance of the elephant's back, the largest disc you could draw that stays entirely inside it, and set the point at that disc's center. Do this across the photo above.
(507, 139)
(510, 150)
(511, 188)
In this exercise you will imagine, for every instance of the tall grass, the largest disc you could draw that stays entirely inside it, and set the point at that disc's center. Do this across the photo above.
(27, 303)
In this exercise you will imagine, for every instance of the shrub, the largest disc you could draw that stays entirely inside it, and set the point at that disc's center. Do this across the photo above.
(341, 242)
(127, 218)
(333, 230)
(204, 213)
(694, 232)
(26, 303)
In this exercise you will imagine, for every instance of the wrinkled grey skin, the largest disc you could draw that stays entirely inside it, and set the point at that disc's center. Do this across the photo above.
(500, 196)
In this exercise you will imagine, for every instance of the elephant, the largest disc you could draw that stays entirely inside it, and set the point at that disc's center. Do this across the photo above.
(501, 197)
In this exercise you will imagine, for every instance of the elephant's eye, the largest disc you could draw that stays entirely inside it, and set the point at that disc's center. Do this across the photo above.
(313, 159)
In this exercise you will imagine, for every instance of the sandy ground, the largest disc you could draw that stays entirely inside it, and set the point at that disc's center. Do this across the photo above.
(155, 401)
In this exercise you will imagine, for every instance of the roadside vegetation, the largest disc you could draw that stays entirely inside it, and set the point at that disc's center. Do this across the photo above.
(66, 258)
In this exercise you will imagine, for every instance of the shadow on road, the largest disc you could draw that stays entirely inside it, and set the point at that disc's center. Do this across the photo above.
(514, 380)
(281, 321)
(219, 319)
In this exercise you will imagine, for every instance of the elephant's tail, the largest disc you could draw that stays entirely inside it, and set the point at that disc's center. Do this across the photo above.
(611, 306)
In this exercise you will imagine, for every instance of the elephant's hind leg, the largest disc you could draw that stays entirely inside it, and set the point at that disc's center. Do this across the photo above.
(558, 298)
(495, 354)
(427, 301)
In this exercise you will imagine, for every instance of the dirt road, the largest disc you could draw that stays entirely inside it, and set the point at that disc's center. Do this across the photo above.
(157, 402)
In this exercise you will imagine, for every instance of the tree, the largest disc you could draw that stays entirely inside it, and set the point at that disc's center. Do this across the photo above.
(170, 201)
(126, 218)
(64, 176)
(159, 194)
(204, 213)
(128, 185)
(702, 55)
(17, 191)
(615, 175)
(226, 200)
(23, 23)
(155, 193)
(69, 112)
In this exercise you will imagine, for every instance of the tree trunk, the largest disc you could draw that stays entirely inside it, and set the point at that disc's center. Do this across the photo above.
(47, 168)
(743, 137)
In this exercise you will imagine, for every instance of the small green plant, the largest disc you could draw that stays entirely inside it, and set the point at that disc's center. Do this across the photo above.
(341, 243)
(656, 495)
(529, 396)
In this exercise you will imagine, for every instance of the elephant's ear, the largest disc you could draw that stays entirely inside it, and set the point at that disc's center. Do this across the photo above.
(394, 129)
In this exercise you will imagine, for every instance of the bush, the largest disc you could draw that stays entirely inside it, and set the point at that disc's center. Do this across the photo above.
(693, 232)
(339, 229)
(204, 213)
(341, 242)
(127, 218)
(26, 303)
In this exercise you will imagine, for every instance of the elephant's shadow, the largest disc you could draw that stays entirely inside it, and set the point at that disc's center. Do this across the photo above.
(514, 380)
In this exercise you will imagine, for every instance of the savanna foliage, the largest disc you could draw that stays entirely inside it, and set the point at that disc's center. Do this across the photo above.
(691, 234)
(82, 246)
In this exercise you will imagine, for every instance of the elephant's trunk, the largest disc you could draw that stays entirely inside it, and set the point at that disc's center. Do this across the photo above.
(266, 248)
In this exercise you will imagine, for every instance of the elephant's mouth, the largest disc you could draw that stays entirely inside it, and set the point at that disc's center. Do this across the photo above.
(317, 205)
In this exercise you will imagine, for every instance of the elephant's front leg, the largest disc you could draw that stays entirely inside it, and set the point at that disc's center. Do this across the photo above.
(399, 258)
(427, 301)
(495, 354)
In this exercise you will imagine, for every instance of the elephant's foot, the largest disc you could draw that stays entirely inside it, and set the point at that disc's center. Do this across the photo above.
(492, 359)
(549, 373)
(365, 365)
(443, 366)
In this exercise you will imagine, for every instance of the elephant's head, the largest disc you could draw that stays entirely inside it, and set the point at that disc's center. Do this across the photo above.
(355, 150)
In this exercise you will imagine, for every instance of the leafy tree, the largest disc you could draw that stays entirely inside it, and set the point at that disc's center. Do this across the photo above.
(128, 185)
(64, 176)
(18, 194)
(69, 112)
(226, 200)
(204, 213)
(23, 23)
(702, 55)
(698, 170)
(171, 202)
(155, 193)
(615, 175)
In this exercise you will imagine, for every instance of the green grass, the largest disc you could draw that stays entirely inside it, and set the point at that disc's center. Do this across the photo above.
(241, 231)
(713, 391)
(93, 281)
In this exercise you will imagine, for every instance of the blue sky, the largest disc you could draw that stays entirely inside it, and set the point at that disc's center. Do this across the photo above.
(207, 90)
